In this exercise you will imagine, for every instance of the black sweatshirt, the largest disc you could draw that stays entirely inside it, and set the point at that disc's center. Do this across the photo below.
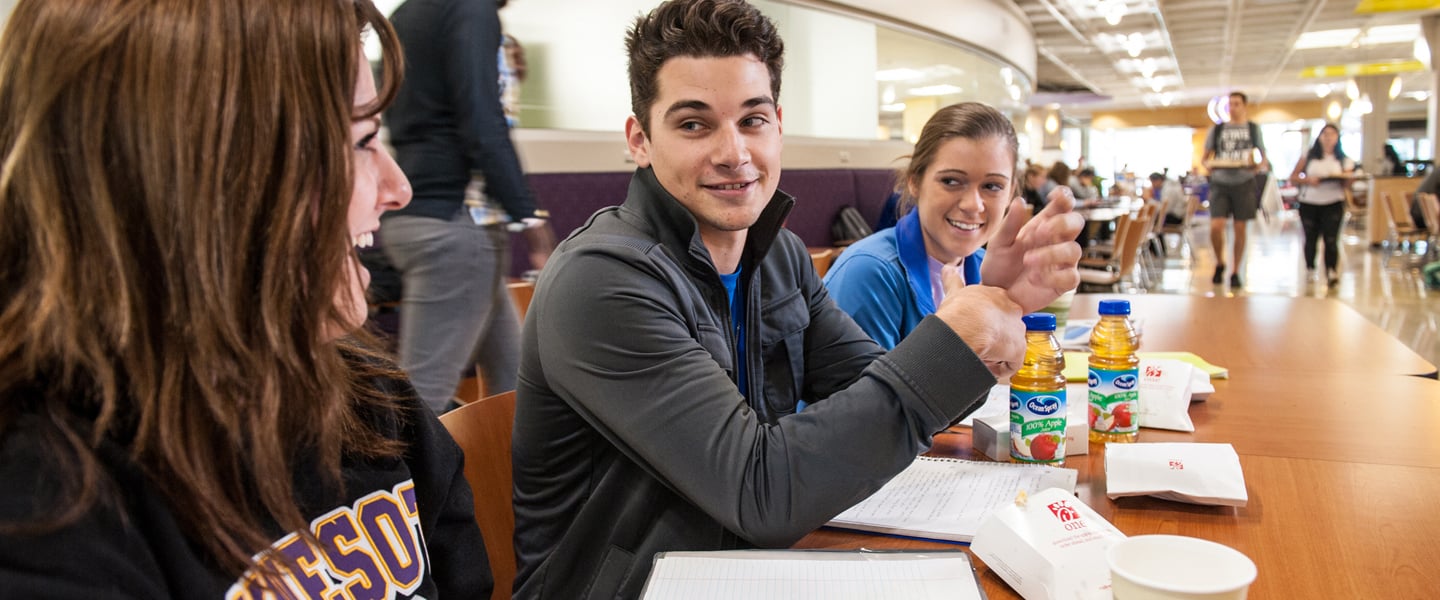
(404, 528)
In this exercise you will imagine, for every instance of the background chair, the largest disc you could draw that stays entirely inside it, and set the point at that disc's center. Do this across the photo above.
(482, 429)
(822, 259)
(1122, 266)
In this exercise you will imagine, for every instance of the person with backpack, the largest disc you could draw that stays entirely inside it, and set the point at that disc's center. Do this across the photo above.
(956, 196)
(1230, 156)
(1323, 173)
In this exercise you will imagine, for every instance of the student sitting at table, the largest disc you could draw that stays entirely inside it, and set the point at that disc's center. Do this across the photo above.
(956, 192)
(671, 338)
(184, 412)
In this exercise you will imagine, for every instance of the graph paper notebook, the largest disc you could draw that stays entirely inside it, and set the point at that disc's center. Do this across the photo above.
(812, 575)
(948, 499)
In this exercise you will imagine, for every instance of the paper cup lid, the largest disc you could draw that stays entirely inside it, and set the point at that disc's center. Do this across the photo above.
(1182, 564)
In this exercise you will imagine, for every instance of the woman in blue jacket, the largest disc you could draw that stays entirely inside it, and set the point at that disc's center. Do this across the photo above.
(955, 196)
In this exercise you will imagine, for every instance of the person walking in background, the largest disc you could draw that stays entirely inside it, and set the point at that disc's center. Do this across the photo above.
(657, 401)
(957, 195)
(1230, 155)
(1323, 175)
(188, 406)
(451, 245)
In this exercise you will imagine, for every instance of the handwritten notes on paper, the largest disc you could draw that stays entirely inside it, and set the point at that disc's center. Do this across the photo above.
(947, 499)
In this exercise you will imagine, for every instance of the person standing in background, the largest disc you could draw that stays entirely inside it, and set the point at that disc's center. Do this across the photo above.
(1229, 154)
(1323, 173)
(451, 245)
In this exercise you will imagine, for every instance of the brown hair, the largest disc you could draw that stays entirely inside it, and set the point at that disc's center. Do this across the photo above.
(175, 177)
(1241, 95)
(967, 120)
(700, 29)
(1059, 173)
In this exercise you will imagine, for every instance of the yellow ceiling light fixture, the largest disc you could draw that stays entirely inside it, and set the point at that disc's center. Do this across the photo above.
(1395, 87)
(1052, 123)
(1358, 69)
(1379, 6)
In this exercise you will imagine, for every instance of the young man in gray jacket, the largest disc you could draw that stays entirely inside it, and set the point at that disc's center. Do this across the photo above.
(671, 339)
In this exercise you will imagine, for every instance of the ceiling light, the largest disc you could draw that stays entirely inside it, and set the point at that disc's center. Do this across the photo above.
(1353, 37)
(1052, 123)
(888, 96)
(1363, 106)
(893, 108)
(1352, 91)
(1166, 98)
(901, 74)
(1156, 85)
(1421, 50)
(943, 89)
(1395, 86)
(1322, 90)
(1014, 92)
(1419, 95)
(1333, 111)
(1008, 75)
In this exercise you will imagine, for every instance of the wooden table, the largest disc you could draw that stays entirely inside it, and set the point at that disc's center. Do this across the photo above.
(1273, 333)
(1339, 445)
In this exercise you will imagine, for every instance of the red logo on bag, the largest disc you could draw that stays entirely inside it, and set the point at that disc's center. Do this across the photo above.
(1064, 512)
(1176, 465)
(1153, 371)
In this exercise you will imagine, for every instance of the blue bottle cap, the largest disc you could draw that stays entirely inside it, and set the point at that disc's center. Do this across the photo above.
(1114, 307)
(1039, 322)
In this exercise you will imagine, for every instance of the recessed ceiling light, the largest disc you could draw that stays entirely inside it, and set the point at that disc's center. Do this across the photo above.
(943, 89)
(901, 74)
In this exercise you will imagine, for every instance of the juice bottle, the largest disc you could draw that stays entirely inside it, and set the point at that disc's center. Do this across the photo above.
(1114, 375)
(1037, 396)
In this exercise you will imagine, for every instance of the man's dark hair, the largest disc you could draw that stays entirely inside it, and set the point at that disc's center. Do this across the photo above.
(1243, 98)
(1157, 177)
(1086, 172)
(699, 29)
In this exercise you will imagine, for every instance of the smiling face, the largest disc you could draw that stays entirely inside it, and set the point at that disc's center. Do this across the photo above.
(962, 196)
(379, 186)
(714, 141)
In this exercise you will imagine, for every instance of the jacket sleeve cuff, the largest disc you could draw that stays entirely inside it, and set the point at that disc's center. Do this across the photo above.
(948, 376)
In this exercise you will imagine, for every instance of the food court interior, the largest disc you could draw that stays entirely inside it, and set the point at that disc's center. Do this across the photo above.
(1126, 87)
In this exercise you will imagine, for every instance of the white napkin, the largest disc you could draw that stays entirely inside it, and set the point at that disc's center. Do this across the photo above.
(1183, 472)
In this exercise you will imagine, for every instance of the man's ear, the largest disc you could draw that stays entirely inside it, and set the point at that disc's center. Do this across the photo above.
(779, 119)
(637, 142)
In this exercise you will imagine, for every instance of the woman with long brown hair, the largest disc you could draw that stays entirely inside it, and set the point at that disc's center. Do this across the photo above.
(187, 408)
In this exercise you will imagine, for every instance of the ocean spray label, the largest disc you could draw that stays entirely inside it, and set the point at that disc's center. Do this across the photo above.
(1037, 426)
(1114, 400)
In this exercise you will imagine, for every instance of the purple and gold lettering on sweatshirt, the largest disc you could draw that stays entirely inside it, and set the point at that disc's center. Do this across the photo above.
(370, 550)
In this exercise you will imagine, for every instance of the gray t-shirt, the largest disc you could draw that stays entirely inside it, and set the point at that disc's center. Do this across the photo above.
(1236, 142)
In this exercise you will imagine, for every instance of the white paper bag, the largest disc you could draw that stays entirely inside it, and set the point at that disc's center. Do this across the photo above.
(1183, 472)
(1165, 394)
(1051, 547)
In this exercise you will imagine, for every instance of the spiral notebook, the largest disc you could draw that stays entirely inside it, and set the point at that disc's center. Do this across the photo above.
(947, 499)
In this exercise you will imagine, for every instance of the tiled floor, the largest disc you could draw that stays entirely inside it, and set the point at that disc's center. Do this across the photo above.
(1388, 293)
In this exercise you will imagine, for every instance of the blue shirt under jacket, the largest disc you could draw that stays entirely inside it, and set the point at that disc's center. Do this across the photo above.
(883, 281)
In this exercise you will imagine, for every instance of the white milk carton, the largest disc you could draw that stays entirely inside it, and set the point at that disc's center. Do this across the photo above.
(1048, 546)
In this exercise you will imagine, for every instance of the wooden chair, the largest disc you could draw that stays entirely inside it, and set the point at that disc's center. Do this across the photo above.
(482, 429)
(1402, 230)
(520, 293)
(471, 387)
(1430, 207)
(1122, 267)
(1100, 254)
(1181, 230)
(822, 259)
